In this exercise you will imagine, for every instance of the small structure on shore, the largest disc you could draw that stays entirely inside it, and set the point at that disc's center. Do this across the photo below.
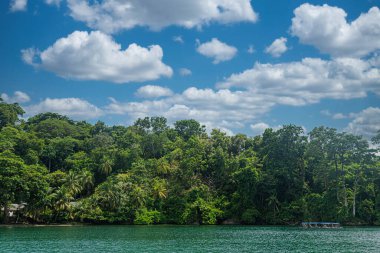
(13, 209)
(320, 225)
(12, 212)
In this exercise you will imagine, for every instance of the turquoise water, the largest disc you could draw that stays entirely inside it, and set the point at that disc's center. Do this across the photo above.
(187, 239)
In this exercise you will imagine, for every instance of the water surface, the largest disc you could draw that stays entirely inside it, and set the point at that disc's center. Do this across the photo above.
(187, 239)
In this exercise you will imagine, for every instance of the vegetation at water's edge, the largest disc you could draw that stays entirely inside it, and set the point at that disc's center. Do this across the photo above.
(151, 173)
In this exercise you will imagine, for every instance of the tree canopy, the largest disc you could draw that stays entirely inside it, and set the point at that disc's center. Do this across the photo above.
(151, 172)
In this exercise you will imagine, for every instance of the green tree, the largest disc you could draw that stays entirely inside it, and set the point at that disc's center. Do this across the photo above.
(20, 183)
(9, 113)
(189, 128)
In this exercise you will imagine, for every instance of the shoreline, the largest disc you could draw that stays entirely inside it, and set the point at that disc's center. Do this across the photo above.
(174, 225)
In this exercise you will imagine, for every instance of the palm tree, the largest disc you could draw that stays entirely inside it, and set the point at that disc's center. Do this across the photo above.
(137, 197)
(86, 179)
(163, 167)
(72, 183)
(108, 195)
(106, 166)
(274, 203)
(61, 200)
(159, 189)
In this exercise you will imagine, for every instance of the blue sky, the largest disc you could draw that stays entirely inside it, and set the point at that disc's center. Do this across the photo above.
(240, 65)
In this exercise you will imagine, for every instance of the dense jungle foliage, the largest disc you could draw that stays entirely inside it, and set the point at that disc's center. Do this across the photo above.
(150, 173)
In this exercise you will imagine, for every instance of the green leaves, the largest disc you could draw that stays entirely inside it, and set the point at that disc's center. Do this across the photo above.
(188, 128)
(151, 173)
(147, 217)
(201, 212)
(9, 113)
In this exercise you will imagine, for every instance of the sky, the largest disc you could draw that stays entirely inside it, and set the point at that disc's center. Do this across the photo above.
(237, 65)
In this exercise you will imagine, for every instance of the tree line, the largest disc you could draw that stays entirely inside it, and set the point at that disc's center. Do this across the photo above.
(152, 173)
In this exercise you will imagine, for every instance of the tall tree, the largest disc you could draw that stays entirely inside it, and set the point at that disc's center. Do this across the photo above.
(9, 113)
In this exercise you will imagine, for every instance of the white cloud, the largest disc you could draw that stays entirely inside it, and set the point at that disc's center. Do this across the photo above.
(338, 115)
(303, 83)
(178, 39)
(18, 5)
(256, 91)
(259, 128)
(308, 81)
(72, 107)
(217, 50)
(210, 125)
(365, 123)
(53, 2)
(153, 91)
(277, 48)
(185, 72)
(114, 15)
(18, 97)
(96, 56)
(327, 29)
(30, 56)
(222, 109)
(375, 60)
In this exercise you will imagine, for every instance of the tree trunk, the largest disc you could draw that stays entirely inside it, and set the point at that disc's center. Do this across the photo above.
(199, 216)
(337, 177)
(354, 205)
(354, 199)
(344, 186)
(5, 221)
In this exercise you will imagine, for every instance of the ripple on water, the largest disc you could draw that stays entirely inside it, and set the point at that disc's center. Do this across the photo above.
(187, 239)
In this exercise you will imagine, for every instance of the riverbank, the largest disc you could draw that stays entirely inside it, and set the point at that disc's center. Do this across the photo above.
(79, 224)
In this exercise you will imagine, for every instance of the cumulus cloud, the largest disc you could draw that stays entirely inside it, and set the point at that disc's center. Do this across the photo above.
(277, 48)
(114, 15)
(185, 72)
(326, 28)
(365, 123)
(72, 107)
(153, 91)
(217, 50)
(256, 91)
(18, 5)
(223, 109)
(96, 56)
(18, 97)
(308, 81)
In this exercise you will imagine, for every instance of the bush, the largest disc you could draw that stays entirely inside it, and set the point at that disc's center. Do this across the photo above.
(249, 216)
(201, 212)
(146, 217)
